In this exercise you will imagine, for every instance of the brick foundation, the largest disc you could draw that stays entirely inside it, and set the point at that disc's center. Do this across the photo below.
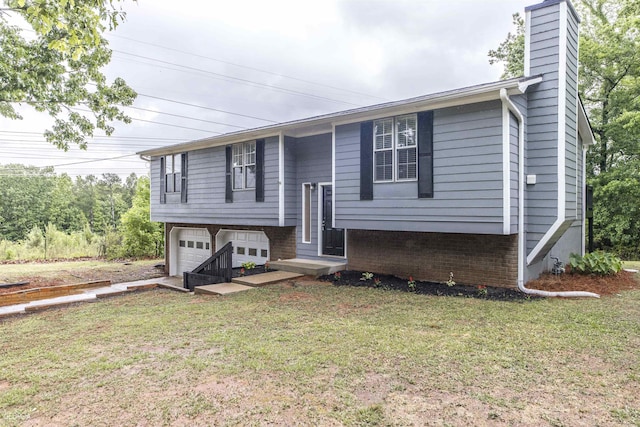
(474, 259)
(282, 240)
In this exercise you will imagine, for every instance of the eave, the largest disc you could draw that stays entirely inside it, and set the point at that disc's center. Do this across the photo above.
(324, 123)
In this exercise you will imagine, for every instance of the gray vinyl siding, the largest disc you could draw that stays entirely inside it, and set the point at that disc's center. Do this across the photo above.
(571, 162)
(513, 172)
(206, 192)
(313, 165)
(542, 126)
(468, 195)
(290, 187)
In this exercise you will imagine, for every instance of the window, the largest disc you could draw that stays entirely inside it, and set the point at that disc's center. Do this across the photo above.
(253, 252)
(244, 166)
(199, 245)
(173, 173)
(264, 253)
(395, 153)
(306, 213)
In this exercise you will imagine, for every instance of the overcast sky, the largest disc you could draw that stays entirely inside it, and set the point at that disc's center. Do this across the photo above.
(253, 63)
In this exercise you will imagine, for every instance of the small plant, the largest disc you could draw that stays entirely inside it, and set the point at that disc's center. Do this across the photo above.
(377, 282)
(451, 282)
(411, 283)
(366, 276)
(249, 265)
(337, 276)
(242, 271)
(482, 290)
(599, 262)
(266, 266)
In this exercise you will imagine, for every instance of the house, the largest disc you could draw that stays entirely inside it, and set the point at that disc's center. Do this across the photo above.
(485, 181)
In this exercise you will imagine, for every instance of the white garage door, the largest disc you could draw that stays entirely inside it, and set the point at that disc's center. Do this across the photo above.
(194, 247)
(248, 246)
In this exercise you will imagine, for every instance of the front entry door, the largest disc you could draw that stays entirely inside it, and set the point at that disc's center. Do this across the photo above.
(332, 238)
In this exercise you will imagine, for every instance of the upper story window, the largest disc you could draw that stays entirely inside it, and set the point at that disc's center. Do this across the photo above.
(173, 173)
(395, 153)
(244, 166)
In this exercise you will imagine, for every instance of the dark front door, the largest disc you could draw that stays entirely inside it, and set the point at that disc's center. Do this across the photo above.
(332, 238)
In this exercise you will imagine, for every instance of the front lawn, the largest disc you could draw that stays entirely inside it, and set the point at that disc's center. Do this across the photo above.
(316, 354)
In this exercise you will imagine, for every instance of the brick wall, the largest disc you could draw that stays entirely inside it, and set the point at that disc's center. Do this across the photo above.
(474, 259)
(282, 240)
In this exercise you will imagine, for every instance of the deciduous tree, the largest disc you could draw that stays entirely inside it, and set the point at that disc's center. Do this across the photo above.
(57, 68)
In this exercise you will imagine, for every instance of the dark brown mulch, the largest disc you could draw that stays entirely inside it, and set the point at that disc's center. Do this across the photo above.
(384, 281)
(603, 285)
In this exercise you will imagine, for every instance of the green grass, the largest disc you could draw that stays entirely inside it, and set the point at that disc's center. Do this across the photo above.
(631, 264)
(318, 355)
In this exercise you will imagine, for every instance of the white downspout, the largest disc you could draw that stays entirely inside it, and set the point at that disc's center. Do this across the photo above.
(521, 237)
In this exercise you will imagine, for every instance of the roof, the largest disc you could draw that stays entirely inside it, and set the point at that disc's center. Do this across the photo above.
(324, 123)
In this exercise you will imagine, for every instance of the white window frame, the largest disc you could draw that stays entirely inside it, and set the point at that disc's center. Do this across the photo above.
(395, 148)
(173, 173)
(243, 156)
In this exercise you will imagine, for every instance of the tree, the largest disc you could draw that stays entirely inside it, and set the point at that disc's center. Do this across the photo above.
(511, 51)
(60, 69)
(141, 236)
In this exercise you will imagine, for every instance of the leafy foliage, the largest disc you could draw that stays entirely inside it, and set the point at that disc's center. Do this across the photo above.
(141, 236)
(60, 68)
(600, 263)
(511, 51)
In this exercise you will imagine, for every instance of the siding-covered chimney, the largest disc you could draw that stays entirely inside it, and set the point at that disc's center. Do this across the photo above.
(553, 152)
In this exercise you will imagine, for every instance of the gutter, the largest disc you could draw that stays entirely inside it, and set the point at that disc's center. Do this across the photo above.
(521, 236)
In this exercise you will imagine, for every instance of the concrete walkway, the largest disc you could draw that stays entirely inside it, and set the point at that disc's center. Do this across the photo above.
(174, 283)
(93, 294)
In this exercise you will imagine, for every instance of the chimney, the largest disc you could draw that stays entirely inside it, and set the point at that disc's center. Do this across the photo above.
(553, 148)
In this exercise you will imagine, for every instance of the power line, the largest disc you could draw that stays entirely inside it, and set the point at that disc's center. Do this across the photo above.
(203, 107)
(240, 80)
(186, 117)
(249, 68)
(102, 137)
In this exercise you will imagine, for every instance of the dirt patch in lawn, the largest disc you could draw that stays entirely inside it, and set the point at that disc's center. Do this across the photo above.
(80, 272)
(603, 285)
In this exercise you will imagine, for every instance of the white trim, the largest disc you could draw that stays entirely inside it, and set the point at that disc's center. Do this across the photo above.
(506, 169)
(319, 188)
(304, 213)
(583, 186)
(527, 43)
(281, 179)
(562, 112)
(562, 133)
(461, 96)
(333, 175)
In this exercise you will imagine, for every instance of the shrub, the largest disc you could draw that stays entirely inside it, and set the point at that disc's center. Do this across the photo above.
(600, 263)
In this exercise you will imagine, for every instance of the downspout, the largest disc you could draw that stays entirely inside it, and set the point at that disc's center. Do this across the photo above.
(521, 237)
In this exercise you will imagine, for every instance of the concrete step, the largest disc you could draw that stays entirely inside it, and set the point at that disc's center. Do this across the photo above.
(308, 267)
(220, 289)
(265, 278)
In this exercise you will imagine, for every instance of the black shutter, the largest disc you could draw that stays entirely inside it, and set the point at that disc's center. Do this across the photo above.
(228, 191)
(366, 161)
(163, 194)
(425, 155)
(260, 170)
(183, 179)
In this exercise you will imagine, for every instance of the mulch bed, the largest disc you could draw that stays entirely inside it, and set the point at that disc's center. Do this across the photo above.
(258, 269)
(603, 285)
(384, 281)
